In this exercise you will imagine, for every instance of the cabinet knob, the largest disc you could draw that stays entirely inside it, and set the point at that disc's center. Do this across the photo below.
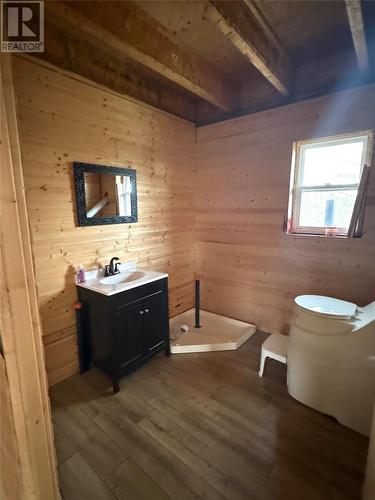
(146, 311)
(141, 312)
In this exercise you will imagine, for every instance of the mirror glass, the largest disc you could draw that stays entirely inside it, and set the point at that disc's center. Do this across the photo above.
(107, 194)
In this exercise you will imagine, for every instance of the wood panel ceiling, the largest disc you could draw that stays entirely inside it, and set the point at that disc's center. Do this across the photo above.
(210, 60)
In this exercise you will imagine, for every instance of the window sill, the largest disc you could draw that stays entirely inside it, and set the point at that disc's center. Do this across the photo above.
(331, 236)
(308, 235)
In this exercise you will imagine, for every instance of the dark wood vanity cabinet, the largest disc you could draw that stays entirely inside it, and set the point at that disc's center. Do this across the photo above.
(121, 331)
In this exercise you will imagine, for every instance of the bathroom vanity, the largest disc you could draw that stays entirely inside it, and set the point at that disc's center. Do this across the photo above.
(124, 320)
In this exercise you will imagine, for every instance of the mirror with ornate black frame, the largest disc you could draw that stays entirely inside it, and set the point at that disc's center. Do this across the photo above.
(105, 195)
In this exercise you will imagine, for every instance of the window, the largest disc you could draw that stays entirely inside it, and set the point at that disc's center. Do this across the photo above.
(124, 191)
(324, 182)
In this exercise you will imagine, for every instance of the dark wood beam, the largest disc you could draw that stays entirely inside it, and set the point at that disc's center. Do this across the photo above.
(123, 30)
(313, 78)
(69, 52)
(355, 16)
(245, 27)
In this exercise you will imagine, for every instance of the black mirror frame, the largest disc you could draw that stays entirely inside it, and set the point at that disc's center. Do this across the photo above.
(83, 220)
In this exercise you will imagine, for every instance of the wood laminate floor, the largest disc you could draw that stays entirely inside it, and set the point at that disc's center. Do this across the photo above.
(200, 426)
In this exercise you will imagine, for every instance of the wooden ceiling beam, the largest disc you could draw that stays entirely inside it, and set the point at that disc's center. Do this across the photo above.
(123, 30)
(355, 16)
(245, 27)
(68, 52)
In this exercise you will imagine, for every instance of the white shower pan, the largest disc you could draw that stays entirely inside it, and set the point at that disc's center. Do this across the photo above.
(217, 333)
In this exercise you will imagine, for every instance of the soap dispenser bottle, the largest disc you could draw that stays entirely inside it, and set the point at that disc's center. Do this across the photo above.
(81, 274)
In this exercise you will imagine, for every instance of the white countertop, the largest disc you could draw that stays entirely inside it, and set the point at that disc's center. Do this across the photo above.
(94, 278)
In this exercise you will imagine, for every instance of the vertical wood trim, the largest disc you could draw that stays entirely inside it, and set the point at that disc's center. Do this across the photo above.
(10, 488)
(369, 484)
(20, 326)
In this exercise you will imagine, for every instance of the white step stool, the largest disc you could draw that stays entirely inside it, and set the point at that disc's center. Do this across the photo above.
(275, 347)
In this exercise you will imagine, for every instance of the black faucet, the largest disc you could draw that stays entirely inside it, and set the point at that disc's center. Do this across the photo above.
(111, 269)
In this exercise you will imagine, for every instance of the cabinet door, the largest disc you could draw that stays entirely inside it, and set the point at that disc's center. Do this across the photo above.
(156, 325)
(129, 327)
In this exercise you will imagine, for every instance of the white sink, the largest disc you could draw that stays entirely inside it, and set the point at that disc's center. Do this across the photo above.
(122, 278)
(128, 278)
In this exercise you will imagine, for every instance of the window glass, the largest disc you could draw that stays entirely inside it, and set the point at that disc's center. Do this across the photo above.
(332, 164)
(327, 208)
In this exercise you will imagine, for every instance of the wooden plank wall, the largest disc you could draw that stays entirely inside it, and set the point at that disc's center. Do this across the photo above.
(250, 270)
(61, 120)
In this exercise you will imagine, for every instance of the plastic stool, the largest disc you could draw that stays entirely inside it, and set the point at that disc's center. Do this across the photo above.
(275, 347)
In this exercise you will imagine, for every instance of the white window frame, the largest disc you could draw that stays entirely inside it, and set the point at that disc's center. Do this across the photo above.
(296, 190)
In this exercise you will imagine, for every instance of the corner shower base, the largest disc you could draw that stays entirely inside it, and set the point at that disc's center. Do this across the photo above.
(217, 333)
